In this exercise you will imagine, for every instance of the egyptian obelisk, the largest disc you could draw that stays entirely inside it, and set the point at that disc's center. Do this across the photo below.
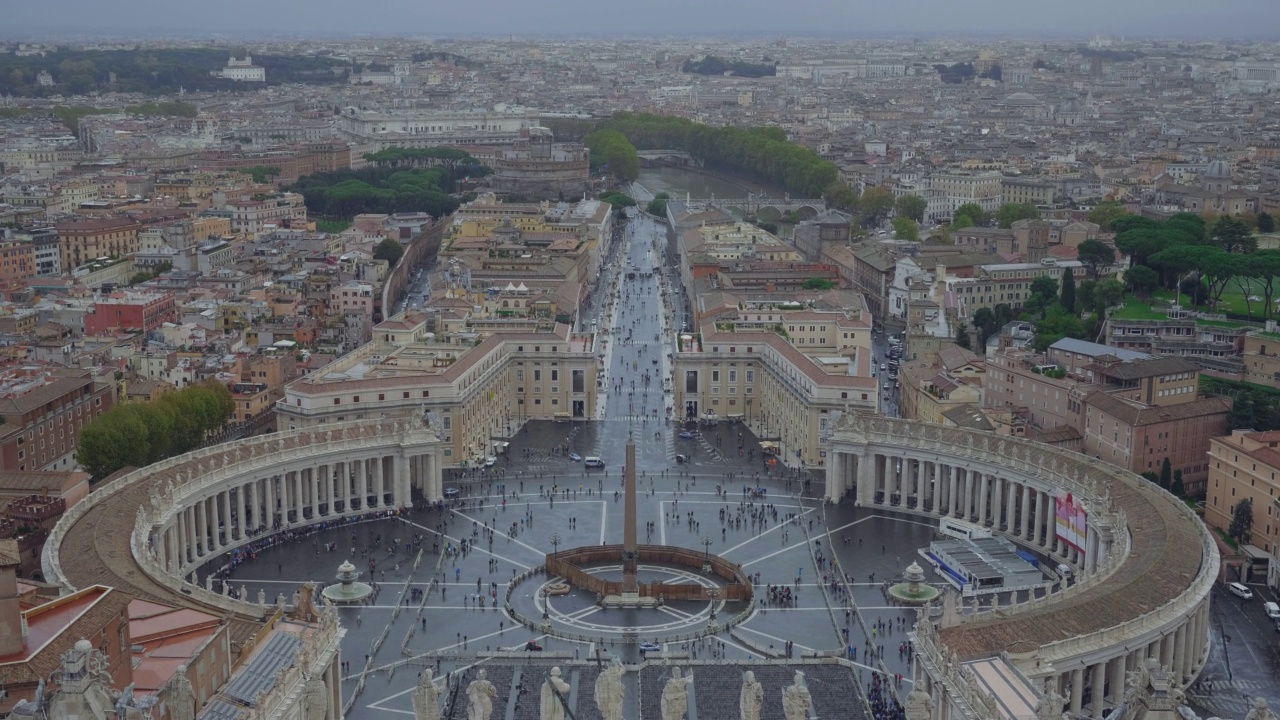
(630, 587)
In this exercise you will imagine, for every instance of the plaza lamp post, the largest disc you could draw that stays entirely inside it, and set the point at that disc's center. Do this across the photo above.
(555, 543)
(706, 557)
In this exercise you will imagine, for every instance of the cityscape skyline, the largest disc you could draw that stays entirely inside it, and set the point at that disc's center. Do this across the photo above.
(925, 18)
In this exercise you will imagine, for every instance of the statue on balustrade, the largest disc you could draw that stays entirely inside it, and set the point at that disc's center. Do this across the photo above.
(675, 696)
(919, 705)
(426, 704)
(555, 693)
(1260, 710)
(796, 699)
(750, 698)
(610, 692)
(480, 695)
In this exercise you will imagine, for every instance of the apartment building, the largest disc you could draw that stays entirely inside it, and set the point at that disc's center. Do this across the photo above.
(947, 191)
(791, 400)
(1028, 192)
(477, 388)
(44, 410)
(130, 311)
(1261, 357)
(1245, 465)
(82, 241)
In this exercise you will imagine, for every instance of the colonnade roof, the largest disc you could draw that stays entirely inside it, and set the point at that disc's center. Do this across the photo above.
(1164, 560)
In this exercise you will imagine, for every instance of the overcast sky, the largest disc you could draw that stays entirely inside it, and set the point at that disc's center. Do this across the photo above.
(856, 18)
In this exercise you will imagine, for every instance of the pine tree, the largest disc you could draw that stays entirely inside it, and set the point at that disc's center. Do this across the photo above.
(1166, 473)
(1069, 291)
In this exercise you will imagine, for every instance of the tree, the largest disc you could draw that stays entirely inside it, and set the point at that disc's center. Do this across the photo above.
(1106, 294)
(658, 205)
(962, 336)
(874, 206)
(1009, 213)
(1094, 254)
(613, 153)
(960, 222)
(1141, 280)
(1085, 295)
(1265, 267)
(1068, 292)
(912, 206)
(1107, 212)
(1056, 325)
(1266, 223)
(1233, 235)
(984, 321)
(389, 250)
(1044, 289)
(904, 228)
(840, 196)
(1166, 473)
(974, 212)
(1176, 487)
(1241, 521)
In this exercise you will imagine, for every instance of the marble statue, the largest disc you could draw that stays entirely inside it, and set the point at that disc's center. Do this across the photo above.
(1050, 706)
(180, 696)
(316, 701)
(609, 691)
(208, 582)
(1260, 710)
(426, 705)
(262, 596)
(480, 695)
(675, 696)
(750, 698)
(555, 693)
(919, 705)
(796, 699)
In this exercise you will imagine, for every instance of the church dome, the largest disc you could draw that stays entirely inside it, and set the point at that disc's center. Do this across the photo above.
(1218, 169)
(1021, 99)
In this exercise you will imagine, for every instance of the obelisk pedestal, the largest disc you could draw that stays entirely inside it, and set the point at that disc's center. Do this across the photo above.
(630, 548)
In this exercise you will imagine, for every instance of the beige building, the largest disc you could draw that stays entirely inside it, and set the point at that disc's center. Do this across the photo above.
(480, 388)
(1245, 465)
(1027, 191)
(1261, 358)
(789, 399)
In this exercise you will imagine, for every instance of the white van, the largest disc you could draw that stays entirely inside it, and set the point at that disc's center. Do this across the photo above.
(1240, 590)
(1065, 571)
(1272, 610)
(592, 461)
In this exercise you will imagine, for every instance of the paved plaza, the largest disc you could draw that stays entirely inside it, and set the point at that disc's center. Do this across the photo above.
(723, 500)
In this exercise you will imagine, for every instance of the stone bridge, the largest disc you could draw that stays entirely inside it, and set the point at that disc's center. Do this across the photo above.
(768, 208)
(667, 157)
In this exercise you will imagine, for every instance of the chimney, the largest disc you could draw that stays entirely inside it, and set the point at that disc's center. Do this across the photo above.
(12, 639)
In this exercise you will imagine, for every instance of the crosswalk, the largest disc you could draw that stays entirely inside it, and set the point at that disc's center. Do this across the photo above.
(1225, 698)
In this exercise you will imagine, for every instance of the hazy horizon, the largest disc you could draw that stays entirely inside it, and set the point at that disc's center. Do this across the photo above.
(818, 18)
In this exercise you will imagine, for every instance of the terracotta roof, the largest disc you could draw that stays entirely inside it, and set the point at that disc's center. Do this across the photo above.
(1136, 414)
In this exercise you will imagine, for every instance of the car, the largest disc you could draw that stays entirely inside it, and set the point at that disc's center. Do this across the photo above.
(1240, 590)
(650, 647)
(575, 457)
(490, 461)
(450, 492)
(682, 458)
(1271, 609)
(883, 367)
(686, 435)
(593, 462)
(533, 645)
(886, 386)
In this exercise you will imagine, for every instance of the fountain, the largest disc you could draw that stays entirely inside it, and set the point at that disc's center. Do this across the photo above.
(915, 591)
(347, 590)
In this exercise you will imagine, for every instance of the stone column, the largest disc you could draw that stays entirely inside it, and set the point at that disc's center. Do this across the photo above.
(1047, 522)
(1077, 690)
(866, 470)
(1166, 650)
(1026, 512)
(954, 472)
(1183, 653)
(1117, 680)
(984, 483)
(1097, 696)
(313, 483)
(226, 518)
(344, 485)
(997, 501)
(1011, 507)
(286, 498)
(249, 496)
(180, 522)
(201, 535)
(835, 477)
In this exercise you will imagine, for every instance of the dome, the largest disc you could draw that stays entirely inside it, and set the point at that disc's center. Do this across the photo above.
(1218, 169)
(1022, 99)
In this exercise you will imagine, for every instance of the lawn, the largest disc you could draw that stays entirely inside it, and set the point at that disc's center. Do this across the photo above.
(1233, 302)
(1138, 310)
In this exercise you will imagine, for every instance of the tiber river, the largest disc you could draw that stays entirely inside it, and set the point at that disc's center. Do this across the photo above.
(678, 181)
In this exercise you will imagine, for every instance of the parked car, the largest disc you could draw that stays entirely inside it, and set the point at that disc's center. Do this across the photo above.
(490, 461)
(686, 435)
